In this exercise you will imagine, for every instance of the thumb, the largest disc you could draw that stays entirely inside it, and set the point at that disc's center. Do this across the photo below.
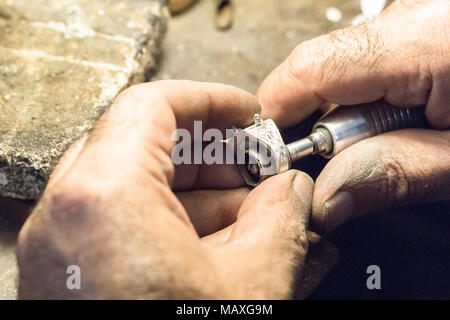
(393, 169)
(269, 237)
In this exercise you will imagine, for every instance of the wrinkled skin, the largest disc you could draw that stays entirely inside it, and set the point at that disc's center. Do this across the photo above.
(403, 57)
(139, 228)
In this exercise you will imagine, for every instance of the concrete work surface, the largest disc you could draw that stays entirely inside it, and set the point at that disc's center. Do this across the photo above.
(261, 37)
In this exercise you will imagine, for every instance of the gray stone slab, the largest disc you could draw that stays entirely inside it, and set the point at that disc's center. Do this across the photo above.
(62, 62)
(130, 18)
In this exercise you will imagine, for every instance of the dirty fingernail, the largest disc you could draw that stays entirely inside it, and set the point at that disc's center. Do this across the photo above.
(339, 209)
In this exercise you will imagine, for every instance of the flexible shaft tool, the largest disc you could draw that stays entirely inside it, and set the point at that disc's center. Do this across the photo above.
(265, 154)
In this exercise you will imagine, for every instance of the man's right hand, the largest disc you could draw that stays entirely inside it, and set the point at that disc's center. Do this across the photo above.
(403, 57)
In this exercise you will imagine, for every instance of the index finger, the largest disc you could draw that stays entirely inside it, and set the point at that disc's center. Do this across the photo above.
(365, 63)
(137, 129)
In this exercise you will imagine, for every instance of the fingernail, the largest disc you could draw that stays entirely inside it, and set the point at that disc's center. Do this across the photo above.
(339, 209)
(299, 184)
(296, 185)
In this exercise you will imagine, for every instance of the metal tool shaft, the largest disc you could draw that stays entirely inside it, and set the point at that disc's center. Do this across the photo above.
(347, 125)
(300, 148)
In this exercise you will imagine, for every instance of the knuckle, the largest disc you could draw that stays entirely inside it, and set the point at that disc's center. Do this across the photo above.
(306, 179)
(379, 178)
(68, 207)
(386, 177)
(65, 205)
(398, 186)
(50, 241)
(147, 90)
(131, 92)
(294, 234)
(294, 245)
(346, 48)
(302, 240)
(138, 91)
(299, 62)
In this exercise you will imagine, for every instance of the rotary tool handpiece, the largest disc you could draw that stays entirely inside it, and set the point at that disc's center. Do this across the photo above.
(346, 125)
(335, 131)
